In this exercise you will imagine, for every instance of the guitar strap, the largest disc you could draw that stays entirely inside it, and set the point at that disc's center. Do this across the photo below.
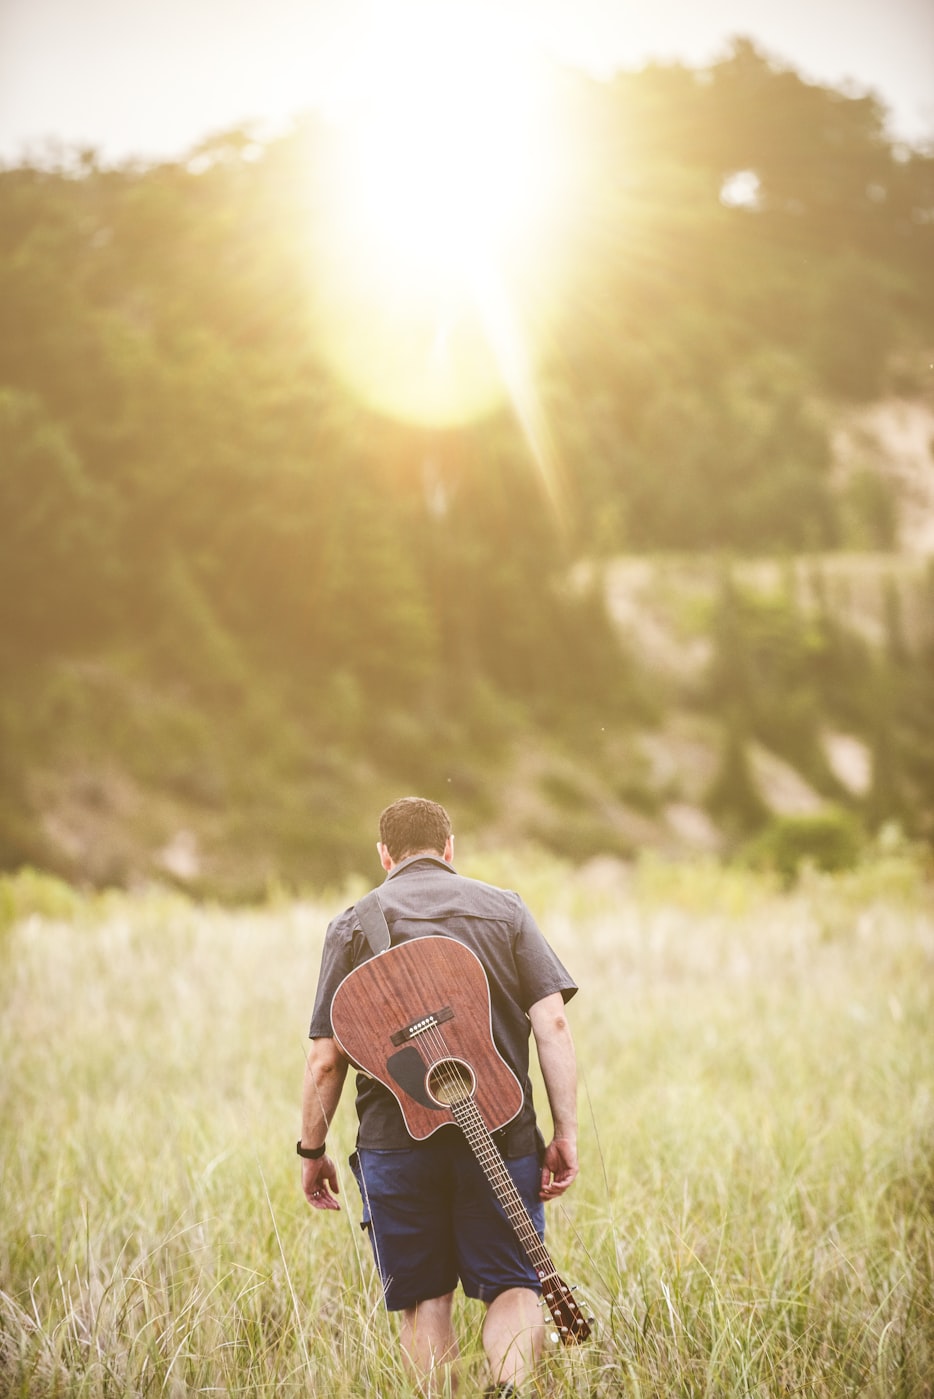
(372, 920)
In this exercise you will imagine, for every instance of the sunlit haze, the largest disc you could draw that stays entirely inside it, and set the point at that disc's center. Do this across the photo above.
(135, 77)
(445, 156)
(438, 246)
(446, 180)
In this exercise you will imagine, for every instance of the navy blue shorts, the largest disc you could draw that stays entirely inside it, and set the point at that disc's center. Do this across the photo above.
(433, 1220)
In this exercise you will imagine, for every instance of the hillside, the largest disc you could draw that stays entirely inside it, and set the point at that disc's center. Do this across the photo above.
(673, 581)
(664, 610)
(109, 813)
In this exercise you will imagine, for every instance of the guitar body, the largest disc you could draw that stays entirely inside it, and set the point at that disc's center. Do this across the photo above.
(378, 1015)
(417, 1018)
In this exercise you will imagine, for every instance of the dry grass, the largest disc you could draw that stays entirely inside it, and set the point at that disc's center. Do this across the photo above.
(756, 1211)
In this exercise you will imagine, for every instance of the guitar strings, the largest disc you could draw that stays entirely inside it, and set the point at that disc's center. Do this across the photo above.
(448, 1075)
(467, 1115)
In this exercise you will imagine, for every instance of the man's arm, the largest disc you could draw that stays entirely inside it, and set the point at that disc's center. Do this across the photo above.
(559, 1069)
(325, 1071)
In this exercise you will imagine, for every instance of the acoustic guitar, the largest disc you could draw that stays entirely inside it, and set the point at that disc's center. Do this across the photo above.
(417, 1018)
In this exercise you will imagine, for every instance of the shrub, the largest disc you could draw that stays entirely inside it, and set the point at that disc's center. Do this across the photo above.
(31, 892)
(829, 840)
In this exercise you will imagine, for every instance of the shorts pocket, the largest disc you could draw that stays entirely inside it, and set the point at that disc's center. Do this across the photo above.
(354, 1164)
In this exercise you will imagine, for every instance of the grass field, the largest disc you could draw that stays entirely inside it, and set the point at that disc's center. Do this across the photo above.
(755, 1213)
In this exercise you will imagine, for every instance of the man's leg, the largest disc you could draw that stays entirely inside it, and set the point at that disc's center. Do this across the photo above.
(513, 1335)
(428, 1342)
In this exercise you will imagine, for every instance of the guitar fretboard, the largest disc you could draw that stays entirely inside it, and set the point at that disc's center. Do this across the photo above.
(467, 1116)
(570, 1321)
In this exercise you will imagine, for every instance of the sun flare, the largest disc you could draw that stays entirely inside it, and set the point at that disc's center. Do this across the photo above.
(442, 190)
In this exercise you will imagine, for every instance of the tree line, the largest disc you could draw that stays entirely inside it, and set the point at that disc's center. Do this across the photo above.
(186, 486)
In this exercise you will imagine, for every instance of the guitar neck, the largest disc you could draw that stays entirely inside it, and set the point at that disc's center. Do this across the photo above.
(570, 1322)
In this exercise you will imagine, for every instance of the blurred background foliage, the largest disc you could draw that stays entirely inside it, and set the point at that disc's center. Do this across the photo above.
(238, 607)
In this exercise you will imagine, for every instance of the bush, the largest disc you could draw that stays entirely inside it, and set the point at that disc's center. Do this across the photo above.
(30, 892)
(828, 840)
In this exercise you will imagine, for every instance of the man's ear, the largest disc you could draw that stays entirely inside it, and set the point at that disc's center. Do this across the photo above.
(449, 850)
(385, 858)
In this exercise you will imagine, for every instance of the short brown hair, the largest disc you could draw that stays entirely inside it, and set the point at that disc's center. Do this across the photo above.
(413, 824)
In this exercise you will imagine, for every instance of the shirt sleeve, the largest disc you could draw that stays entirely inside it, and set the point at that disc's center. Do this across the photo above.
(541, 972)
(336, 963)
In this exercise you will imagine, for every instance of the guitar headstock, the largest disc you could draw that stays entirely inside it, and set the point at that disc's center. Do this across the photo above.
(573, 1328)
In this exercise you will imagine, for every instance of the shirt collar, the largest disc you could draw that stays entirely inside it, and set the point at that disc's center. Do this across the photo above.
(416, 860)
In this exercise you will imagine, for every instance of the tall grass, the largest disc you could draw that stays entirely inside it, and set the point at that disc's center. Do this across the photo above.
(755, 1215)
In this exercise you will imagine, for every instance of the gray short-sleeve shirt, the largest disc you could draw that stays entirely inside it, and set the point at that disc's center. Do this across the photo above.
(425, 896)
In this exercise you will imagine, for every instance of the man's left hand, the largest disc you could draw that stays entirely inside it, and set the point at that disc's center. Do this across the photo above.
(559, 1167)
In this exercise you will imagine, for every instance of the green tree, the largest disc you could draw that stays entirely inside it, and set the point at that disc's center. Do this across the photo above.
(56, 564)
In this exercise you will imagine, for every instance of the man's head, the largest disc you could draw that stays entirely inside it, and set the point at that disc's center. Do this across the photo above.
(414, 826)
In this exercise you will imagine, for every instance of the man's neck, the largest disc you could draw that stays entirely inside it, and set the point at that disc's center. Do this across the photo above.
(445, 856)
(417, 855)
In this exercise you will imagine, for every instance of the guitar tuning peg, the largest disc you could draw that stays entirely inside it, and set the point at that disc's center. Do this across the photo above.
(555, 1337)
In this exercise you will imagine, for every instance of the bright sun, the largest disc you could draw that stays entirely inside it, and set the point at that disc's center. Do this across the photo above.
(439, 206)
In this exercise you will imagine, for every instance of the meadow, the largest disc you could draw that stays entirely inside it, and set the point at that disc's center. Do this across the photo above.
(755, 1212)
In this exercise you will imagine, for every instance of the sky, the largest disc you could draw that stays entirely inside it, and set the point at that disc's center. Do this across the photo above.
(150, 78)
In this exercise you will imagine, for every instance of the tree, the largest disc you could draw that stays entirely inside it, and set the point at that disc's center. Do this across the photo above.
(57, 556)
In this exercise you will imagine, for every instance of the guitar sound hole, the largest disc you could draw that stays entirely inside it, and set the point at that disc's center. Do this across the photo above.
(450, 1081)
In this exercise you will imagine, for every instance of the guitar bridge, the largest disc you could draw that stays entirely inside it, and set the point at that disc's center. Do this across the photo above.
(418, 1027)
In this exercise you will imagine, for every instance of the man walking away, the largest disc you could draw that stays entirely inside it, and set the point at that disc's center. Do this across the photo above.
(428, 1210)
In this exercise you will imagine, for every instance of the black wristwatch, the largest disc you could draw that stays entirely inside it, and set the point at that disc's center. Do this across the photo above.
(310, 1153)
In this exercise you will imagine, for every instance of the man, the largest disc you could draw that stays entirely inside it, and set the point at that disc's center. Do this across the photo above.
(429, 1212)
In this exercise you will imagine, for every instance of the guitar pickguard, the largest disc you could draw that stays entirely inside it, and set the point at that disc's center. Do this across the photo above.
(407, 1068)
